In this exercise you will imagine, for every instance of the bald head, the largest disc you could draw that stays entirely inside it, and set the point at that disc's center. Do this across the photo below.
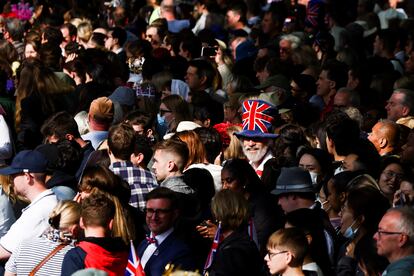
(384, 136)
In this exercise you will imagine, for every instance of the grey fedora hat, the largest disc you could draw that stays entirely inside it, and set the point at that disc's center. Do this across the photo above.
(293, 180)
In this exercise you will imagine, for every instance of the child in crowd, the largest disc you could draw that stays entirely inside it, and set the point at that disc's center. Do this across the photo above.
(286, 250)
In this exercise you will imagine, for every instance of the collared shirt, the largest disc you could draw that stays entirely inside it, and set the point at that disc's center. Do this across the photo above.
(406, 121)
(96, 137)
(313, 267)
(200, 24)
(33, 221)
(259, 169)
(141, 181)
(152, 247)
(117, 51)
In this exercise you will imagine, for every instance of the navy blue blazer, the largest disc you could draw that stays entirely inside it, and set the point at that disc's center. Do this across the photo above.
(171, 250)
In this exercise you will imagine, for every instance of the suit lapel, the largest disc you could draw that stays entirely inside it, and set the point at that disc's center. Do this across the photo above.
(141, 248)
(163, 246)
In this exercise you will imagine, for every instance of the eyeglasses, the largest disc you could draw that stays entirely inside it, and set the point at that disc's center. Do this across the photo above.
(158, 212)
(391, 103)
(271, 254)
(387, 233)
(391, 174)
(163, 111)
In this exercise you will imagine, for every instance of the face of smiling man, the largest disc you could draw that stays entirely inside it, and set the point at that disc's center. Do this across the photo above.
(255, 149)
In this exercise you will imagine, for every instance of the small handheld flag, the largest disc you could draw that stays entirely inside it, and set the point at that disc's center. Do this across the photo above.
(134, 267)
(213, 250)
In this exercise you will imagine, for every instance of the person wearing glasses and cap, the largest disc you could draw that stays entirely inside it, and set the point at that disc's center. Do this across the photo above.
(395, 241)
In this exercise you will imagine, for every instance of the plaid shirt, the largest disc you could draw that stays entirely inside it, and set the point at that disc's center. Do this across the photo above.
(140, 181)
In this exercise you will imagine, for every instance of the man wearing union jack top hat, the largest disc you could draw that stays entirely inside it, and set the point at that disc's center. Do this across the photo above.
(257, 135)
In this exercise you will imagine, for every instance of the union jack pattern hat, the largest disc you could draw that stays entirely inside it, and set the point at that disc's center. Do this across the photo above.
(257, 117)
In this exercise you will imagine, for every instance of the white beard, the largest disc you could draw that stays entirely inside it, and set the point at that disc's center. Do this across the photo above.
(255, 154)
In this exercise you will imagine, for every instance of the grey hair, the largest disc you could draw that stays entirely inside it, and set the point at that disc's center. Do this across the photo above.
(406, 222)
(355, 99)
(408, 100)
(293, 39)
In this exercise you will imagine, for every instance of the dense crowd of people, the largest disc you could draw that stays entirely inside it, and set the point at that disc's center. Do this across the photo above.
(207, 137)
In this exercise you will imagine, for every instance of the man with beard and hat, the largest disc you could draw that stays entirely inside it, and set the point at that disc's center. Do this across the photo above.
(257, 135)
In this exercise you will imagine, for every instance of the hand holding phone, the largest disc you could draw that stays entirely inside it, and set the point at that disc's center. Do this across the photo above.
(209, 51)
(207, 229)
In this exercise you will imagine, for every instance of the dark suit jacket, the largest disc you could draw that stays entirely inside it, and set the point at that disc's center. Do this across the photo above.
(171, 250)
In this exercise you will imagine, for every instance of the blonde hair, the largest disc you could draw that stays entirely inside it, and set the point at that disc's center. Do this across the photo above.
(76, 21)
(235, 149)
(85, 31)
(292, 240)
(65, 214)
(6, 184)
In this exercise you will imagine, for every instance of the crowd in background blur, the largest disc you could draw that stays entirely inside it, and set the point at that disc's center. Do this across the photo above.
(242, 137)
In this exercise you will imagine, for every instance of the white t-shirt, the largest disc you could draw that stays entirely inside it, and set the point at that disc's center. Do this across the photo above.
(32, 223)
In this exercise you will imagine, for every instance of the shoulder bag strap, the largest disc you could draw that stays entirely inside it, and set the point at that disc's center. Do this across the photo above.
(47, 258)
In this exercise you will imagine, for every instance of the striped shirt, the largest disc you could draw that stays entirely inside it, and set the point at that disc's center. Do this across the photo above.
(31, 252)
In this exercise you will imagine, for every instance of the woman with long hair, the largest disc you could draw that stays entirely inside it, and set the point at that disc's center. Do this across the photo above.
(197, 152)
(197, 157)
(39, 94)
(235, 148)
(32, 44)
(99, 179)
(360, 215)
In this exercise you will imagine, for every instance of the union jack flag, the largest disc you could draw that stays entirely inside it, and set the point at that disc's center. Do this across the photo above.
(254, 117)
(312, 13)
(134, 267)
(213, 249)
